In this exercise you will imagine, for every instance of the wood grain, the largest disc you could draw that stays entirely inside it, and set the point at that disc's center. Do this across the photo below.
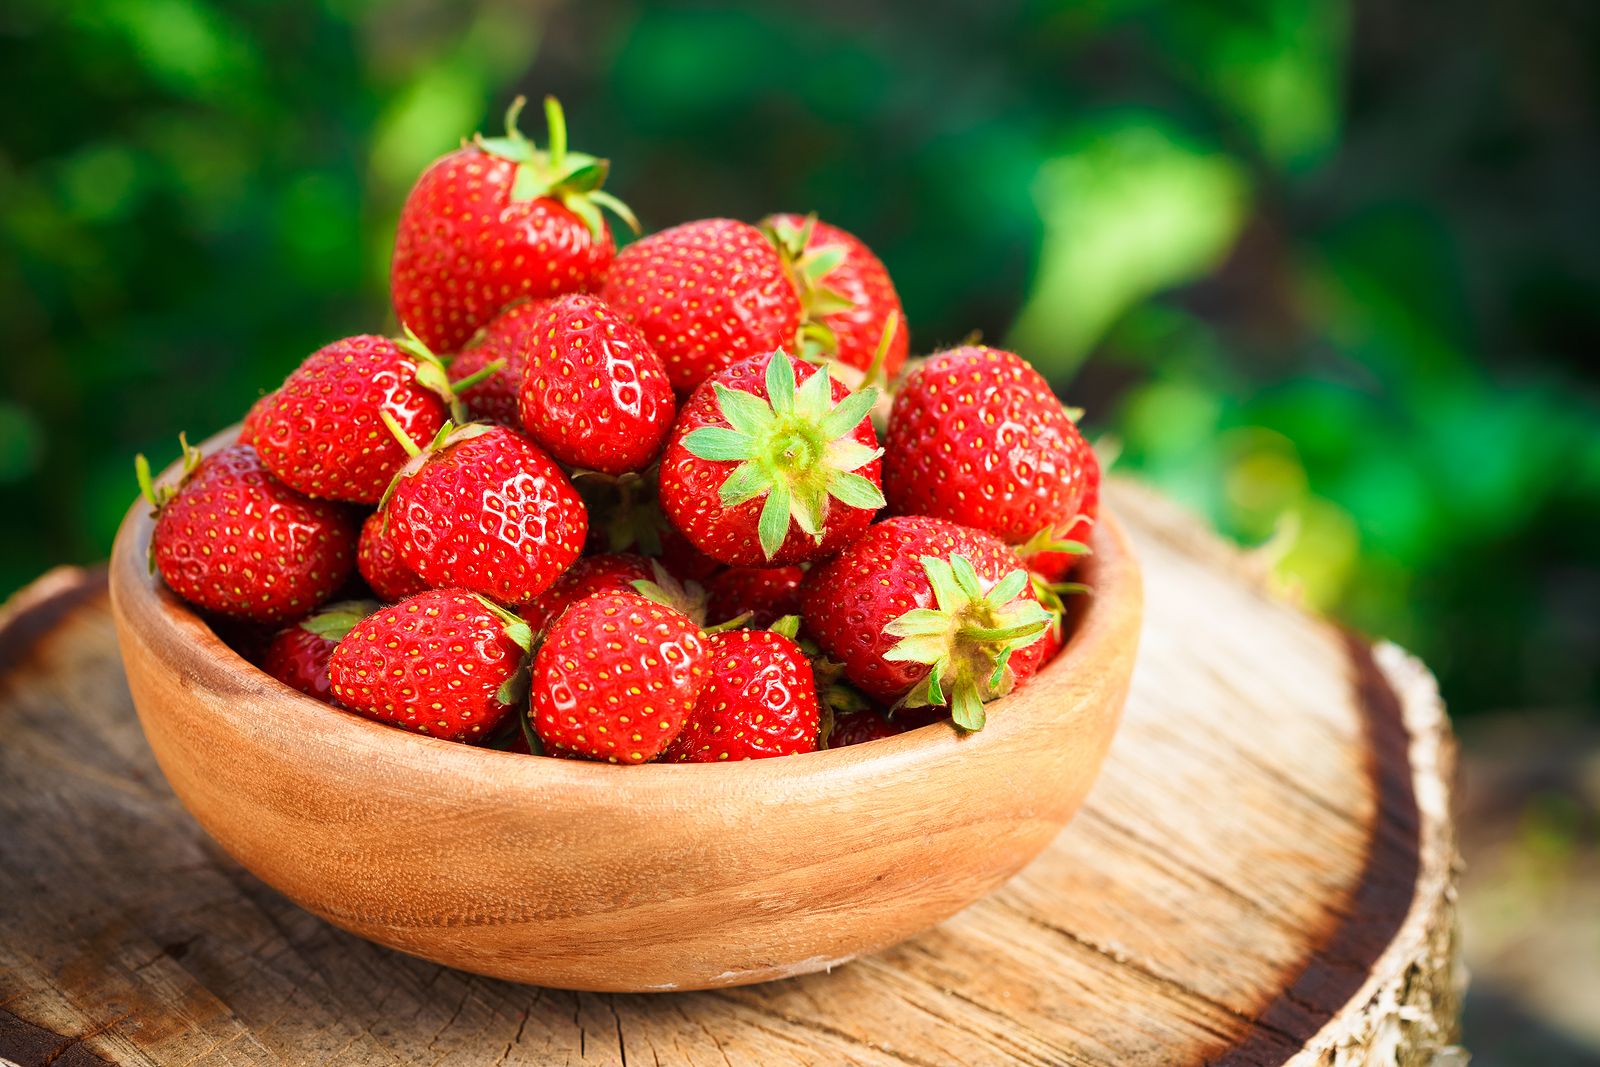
(1263, 874)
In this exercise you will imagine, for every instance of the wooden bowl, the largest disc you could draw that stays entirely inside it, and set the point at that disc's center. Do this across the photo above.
(598, 877)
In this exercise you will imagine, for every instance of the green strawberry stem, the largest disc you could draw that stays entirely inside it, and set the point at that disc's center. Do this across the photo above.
(796, 448)
(433, 375)
(573, 178)
(334, 621)
(158, 496)
(875, 376)
(788, 626)
(482, 374)
(968, 639)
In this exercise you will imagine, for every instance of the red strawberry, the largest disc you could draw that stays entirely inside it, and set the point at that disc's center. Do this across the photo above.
(504, 341)
(593, 392)
(298, 655)
(977, 437)
(380, 564)
(685, 562)
(761, 701)
(616, 677)
(766, 593)
(247, 428)
(859, 727)
(234, 540)
(706, 294)
(759, 471)
(1054, 565)
(447, 663)
(848, 298)
(605, 573)
(487, 510)
(497, 220)
(324, 433)
(926, 612)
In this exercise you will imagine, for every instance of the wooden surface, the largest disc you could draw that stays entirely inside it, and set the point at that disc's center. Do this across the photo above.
(1263, 874)
(582, 875)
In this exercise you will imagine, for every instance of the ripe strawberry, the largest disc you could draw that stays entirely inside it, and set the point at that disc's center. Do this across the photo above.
(497, 220)
(247, 428)
(616, 677)
(706, 294)
(298, 655)
(684, 561)
(1054, 563)
(505, 342)
(766, 593)
(761, 701)
(380, 564)
(926, 613)
(487, 510)
(233, 539)
(323, 432)
(846, 294)
(977, 437)
(447, 663)
(859, 727)
(759, 471)
(612, 572)
(593, 393)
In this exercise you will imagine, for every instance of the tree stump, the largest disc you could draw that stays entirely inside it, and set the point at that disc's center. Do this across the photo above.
(1264, 874)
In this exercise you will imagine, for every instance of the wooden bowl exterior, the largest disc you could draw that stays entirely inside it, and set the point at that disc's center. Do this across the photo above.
(595, 877)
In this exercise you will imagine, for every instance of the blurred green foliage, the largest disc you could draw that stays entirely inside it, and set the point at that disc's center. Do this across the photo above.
(1328, 271)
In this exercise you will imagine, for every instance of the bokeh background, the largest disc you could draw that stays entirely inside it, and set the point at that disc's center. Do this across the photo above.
(1328, 270)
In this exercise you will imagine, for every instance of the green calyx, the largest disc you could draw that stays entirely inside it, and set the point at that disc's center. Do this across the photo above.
(797, 448)
(433, 374)
(449, 434)
(687, 598)
(159, 496)
(336, 620)
(573, 178)
(513, 692)
(968, 640)
(1047, 539)
(808, 269)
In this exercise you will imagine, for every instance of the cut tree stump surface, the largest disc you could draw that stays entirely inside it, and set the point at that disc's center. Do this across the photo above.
(1263, 874)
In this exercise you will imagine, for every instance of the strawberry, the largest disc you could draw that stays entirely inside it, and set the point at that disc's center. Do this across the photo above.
(767, 594)
(497, 220)
(593, 393)
(323, 432)
(1053, 564)
(485, 509)
(848, 300)
(504, 341)
(298, 655)
(616, 677)
(612, 572)
(761, 700)
(859, 727)
(247, 428)
(685, 562)
(380, 564)
(706, 294)
(760, 471)
(447, 663)
(924, 613)
(233, 539)
(977, 437)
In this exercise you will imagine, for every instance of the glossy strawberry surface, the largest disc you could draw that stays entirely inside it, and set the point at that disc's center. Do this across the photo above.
(761, 701)
(491, 513)
(976, 436)
(380, 564)
(323, 433)
(247, 426)
(616, 677)
(236, 541)
(850, 600)
(506, 340)
(593, 391)
(298, 654)
(611, 572)
(860, 278)
(466, 247)
(766, 593)
(434, 663)
(1054, 566)
(706, 294)
(690, 485)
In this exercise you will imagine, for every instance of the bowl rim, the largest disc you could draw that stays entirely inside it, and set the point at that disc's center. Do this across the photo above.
(186, 645)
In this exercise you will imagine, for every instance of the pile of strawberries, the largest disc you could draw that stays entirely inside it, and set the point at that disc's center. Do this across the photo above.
(634, 506)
